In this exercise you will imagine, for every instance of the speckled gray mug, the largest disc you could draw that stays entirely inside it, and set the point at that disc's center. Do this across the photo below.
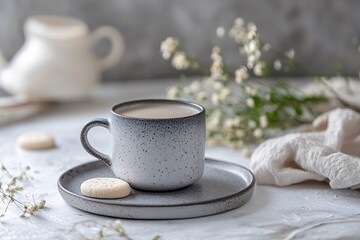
(153, 154)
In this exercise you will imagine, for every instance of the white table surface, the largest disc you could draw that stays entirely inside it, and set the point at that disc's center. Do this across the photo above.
(311, 210)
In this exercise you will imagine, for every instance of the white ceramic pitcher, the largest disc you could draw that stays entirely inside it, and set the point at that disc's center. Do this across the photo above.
(57, 61)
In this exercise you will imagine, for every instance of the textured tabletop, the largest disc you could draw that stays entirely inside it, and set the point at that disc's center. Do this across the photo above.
(310, 210)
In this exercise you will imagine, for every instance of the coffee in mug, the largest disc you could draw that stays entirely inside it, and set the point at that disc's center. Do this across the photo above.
(157, 110)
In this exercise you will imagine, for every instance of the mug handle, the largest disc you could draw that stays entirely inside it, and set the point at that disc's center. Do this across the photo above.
(117, 45)
(97, 122)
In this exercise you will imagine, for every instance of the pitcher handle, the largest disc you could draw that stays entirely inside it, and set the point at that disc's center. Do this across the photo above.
(117, 45)
(97, 122)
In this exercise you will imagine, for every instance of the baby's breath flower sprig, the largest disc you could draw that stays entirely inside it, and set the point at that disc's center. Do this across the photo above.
(102, 231)
(10, 190)
(241, 111)
(241, 114)
(253, 48)
(170, 50)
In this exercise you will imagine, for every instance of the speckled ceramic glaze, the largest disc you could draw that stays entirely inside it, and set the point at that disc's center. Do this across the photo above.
(223, 187)
(153, 154)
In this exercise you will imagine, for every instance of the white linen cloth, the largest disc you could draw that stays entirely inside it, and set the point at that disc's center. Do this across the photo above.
(331, 153)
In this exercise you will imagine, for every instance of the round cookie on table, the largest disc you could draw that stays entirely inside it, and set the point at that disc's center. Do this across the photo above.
(36, 141)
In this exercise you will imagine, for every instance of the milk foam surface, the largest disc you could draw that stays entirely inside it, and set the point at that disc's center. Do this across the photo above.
(157, 110)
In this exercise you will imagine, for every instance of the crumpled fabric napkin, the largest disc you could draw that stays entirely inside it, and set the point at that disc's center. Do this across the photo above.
(331, 153)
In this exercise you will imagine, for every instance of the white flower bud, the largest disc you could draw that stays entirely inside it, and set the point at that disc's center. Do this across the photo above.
(277, 65)
(241, 75)
(250, 102)
(240, 133)
(267, 47)
(215, 99)
(180, 61)
(252, 46)
(218, 86)
(259, 69)
(263, 121)
(195, 86)
(246, 152)
(220, 32)
(173, 92)
(202, 96)
(290, 54)
(251, 61)
(224, 93)
(252, 124)
(117, 225)
(239, 22)
(252, 27)
(168, 47)
(258, 133)
(42, 203)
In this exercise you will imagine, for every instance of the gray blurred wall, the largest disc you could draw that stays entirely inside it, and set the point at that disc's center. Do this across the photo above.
(320, 31)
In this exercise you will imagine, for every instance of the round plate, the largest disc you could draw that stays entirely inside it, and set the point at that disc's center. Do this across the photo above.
(223, 187)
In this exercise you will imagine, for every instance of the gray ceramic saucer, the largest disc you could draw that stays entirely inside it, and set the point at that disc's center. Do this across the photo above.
(223, 187)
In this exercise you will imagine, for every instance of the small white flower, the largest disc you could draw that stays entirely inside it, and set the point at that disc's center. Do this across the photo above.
(266, 47)
(117, 225)
(32, 209)
(214, 140)
(258, 133)
(228, 124)
(239, 22)
(252, 124)
(42, 203)
(216, 71)
(218, 86)
(263, 121)
(202, 96)
(180, 61)
(237, 121)
(241, 75)
(216, 49)
(215, 99)
(250, 102)
(251, 35)
(290, 54)
(252, 46)
(168, 47)
(232, 33)
(224, 93)
(250, 91)
(277, 65)
(173, 92)
(257, 54)
(246, 152)
(252, 27)
(212, 125)
(259, 69)
(187, 90)
(220, 32)
(251, 61)
(195, 86)
(240, 133)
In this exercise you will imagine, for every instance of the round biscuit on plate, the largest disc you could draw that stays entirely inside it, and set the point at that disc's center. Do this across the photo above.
(105, 188)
